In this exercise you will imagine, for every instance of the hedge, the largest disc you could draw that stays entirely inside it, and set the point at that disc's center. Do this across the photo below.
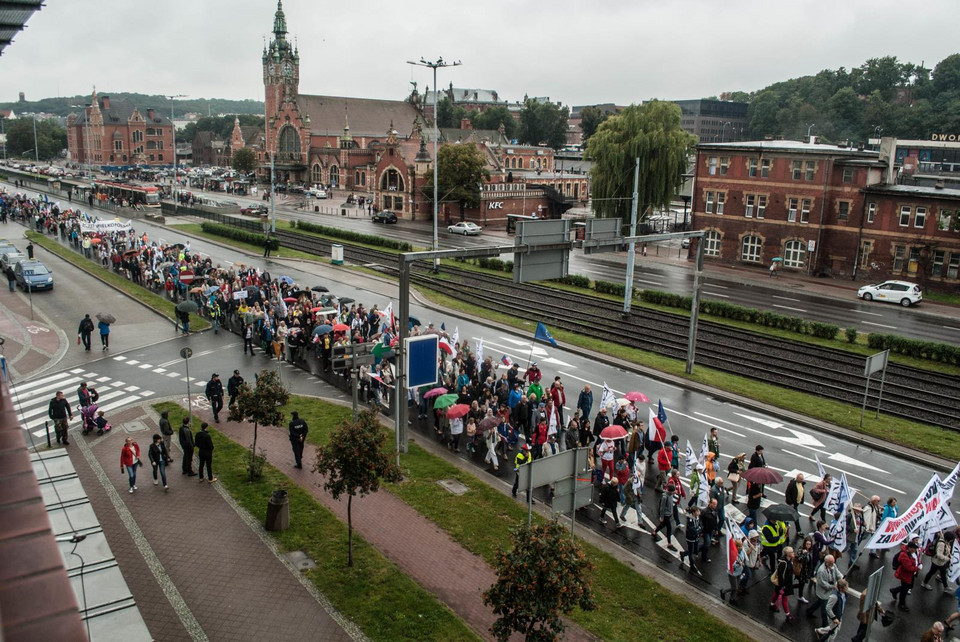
(917, 348)
(356, 237)
(496, 264)
(237, 234)
(609, 287)
(577, 280)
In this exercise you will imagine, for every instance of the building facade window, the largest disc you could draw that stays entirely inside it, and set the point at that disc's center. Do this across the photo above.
(793, 205)
(724, 165)
(712, 166)
(711, 243)
(117, 145)
(904, 215)
(899, 251)
(946, 216)
(810, 167)
(316, 173)
(751, 248)
(753, 168)
(805, 206)
(871, 212)
(954, 266)
(761, 205)
(138, 136)
(765, 168)
(749, 203)
(843, 210)
(795, 254)
(708, 202)
(937, 268)
(721, 199)
(847, 175)
(797, 170)
(866, 247)
(914, 261)
(920, 218)
(334, 176)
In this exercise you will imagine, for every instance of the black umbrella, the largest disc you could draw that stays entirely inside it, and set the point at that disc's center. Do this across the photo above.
(106, 317)
(346, 300)
(189, 307)
(298, 293)
(414, 321)
(319, 288)
(781, 513)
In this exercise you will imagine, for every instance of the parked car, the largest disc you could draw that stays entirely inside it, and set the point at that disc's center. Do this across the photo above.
(7, 246)
(33, 275)
(254, 210)
(11, 258)
(685, 243)
(466, 228)
(385, 216)
(316, 192)
(902, 292)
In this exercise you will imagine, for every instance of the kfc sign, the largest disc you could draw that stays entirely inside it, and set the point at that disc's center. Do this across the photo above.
(495, 205)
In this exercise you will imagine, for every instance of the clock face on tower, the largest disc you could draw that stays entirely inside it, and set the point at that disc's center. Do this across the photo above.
(271, 70)
(287, 69)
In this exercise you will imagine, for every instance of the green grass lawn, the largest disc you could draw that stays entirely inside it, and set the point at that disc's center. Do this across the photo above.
(631, 606)
(195, 229)
(159, 303)
(383, 601)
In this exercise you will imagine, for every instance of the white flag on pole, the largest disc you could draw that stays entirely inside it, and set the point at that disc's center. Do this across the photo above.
(953, 571)
(820, 470)
(607, 399)
(688, 461)
(480, 351)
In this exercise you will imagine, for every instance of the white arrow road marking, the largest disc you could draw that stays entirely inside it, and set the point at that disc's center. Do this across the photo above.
(556, 362)
(847, 472)
(853, 462)
(799, 438)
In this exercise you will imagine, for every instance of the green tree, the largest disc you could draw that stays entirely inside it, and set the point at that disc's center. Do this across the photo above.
(543, 123)
(590, 118)
(51, 138)
(946, 75)
(354, 462)
(260, 404)
(244, 160)
(762, 113)
(651, 132)
(492, 118)
(448, 114)
(880, 74)
(461, 170)
(543, 577)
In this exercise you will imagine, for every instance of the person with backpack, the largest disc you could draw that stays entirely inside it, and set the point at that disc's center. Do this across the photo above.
(906, 569)
(939, 552)
(782, 579)
(609, 497)
(692, 533)
(85, 331)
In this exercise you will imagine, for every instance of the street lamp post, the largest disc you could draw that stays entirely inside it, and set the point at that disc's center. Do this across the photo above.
(434, 65)
(809, 129)
(723, 137)
(36, 147)
(173, 138)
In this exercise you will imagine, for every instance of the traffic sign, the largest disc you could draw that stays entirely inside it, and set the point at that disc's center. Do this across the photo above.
(421, 355)
(186, 353)
(186, 276)
(541, 265)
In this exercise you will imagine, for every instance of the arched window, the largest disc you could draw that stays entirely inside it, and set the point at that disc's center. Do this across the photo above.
(334, 175)
(751, 248)
(513, 163)
(711, 243)
(356, 178)
(288, 147)
(316, 173)
(795, 254)
(391, 181)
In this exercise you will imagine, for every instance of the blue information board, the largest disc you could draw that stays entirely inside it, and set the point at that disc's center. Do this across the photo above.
(421, 357)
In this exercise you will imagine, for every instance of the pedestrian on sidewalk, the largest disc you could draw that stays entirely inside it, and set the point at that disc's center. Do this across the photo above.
(609, 496)
(166, 430)
(825, 581)
(298, 436)
(794, 497)
(159, 460)
(665, 515)
(186, 445)
(205, 452)
(61, 414)
(214, 394)
(233, 387)
(104, 334)
(130, 460)
(85, 331)
(523, 457)
(11, 278)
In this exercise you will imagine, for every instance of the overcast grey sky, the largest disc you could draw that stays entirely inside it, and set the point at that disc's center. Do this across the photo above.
(572, 51)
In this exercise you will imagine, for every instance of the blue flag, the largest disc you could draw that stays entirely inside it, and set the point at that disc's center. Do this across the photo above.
(443, 326)
(543, 334)
(661, 413)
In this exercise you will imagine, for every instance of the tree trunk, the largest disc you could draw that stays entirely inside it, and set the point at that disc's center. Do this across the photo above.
(349, 531)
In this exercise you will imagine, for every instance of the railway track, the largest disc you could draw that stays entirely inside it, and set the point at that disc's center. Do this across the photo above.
(908, 393)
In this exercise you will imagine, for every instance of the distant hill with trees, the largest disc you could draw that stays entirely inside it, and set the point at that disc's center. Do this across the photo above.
(883, 95)
(63, 106)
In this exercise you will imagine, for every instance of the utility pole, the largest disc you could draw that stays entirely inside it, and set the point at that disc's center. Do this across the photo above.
(631, 247)
(436, 161)
(36, 147)
(173, 138)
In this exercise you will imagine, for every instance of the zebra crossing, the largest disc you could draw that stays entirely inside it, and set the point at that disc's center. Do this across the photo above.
(32, 398)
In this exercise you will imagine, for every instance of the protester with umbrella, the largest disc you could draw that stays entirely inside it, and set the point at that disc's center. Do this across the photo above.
(182, 313)
(105, 320)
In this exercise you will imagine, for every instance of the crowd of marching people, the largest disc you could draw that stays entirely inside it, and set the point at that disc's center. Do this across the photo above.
(492, 408)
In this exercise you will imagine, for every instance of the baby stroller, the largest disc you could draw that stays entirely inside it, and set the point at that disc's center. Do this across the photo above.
(89, 415)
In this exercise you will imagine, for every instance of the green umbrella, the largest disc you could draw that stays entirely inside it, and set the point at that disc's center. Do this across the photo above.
(445, 401)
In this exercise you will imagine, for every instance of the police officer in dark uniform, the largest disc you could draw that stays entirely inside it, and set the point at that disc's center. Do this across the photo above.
(298, 436)
(233, 387)
(214, 393)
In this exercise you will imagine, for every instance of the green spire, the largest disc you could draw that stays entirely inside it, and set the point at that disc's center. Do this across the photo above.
(279, 22)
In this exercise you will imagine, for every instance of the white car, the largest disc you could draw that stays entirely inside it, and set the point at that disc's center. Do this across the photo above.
(466, 228)
(316, 192)
(902, 292)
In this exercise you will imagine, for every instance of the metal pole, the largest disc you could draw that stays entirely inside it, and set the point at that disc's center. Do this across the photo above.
(695, 308)
(631, 248)
(355, 375)
(883, 376)
(186, 363)
(173, 134)
(401, 393)
(30, 293)
(576, 473)
(436, 164)
(866, 391)
(273, 189)
(529, 496)
(4, 133)
(46, 428)
(36, 147)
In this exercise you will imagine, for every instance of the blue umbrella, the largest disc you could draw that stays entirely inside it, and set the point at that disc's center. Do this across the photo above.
(210, 290)
(285, 279)
(323, 328)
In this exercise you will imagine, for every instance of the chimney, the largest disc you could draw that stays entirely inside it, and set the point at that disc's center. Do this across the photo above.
(105, 101)
(465, 123)
(813, 140)
(149, 113)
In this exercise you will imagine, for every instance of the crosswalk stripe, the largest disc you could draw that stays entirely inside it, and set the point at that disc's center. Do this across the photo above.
(132, 362)
(39, 382)
(160, 370)
(40, 407)
(145, 366)
(119, 357)
(173, 374)
(132, 388)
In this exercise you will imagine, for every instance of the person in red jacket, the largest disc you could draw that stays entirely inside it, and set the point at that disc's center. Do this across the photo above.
(664, 464)
(540, 438)
(907, 568)
(559, 398)
(130, 460)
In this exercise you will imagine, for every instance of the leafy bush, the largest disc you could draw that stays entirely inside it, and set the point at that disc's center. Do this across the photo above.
(851, 335)
(942, 352)
(577, 280)
(825, 330)
(668, 299)
(244, 236)
(608, 287)
(356, 237)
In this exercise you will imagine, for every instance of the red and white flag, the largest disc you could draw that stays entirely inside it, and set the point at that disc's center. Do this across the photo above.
(655, 430)
(733, 533)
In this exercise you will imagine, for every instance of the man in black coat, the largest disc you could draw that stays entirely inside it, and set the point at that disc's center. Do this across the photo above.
(186, 445)
(601, 422)
(794, 497)
(85, 330)
(298, 436)
(214, 393)
(521, 416)
(757, 459)
(609, 496)
(205, 452)
(61, 413)
(233, 387)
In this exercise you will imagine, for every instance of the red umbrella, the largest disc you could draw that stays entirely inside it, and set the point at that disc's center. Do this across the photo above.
(487, 423)
(436, 392)
(289, 299)
(341, 327)
(613, 431)
(637, 396)
(457, 410)
(762, 475)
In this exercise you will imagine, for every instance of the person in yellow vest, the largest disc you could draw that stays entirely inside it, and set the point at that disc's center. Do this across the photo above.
(523, 457)
(773, 536)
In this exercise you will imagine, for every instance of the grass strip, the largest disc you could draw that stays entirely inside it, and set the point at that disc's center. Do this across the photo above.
(161, 304)
(383, 601)
(195, 229)
(631, 606)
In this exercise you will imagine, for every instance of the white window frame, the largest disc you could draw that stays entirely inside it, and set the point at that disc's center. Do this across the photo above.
(708, 201)
(712, 165)
(749, 202)
(905, 210)
(761, 205)
(795, 254)
(806, 205)
(752, 251)
(841, 215)
(871, 212)
(721, 201)
(712, 241)
(797, 170)
(810, 171)
(765, 166)
(920, 217)
(899, 252)
(793, 204)
(753, 167)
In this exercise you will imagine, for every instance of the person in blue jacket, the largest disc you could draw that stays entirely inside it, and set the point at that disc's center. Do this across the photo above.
(104, 334)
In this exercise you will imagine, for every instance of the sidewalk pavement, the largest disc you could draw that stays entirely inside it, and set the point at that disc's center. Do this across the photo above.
(197, 569)
(418, 546)
(30, 344)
